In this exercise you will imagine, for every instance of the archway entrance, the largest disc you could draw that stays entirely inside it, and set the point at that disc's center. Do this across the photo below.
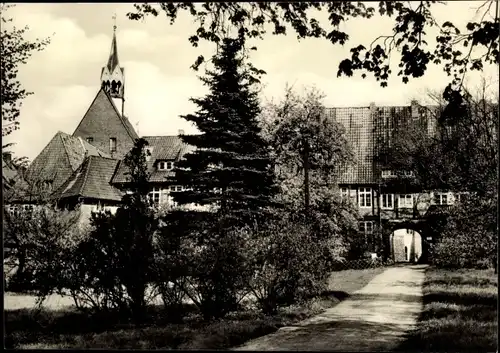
(406, 245)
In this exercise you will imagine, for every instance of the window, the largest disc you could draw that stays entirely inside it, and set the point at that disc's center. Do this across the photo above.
(176, 188)
(112, 144)
(28, 208)
(155, 195)
(14, 211)
(366, 227)
(406, 201)
(365, 197)
(462, 197)
(387, 174)
(47, 185)
(387, 201)
(90, 139)
(164, 165)
(440, 198)
(344, 193)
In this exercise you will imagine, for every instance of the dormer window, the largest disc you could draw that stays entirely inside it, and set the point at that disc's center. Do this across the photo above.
(90, 139)
(165, 165)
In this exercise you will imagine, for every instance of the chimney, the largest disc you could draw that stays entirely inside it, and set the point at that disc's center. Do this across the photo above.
(181, 132)
(7, 157)
(414, 109)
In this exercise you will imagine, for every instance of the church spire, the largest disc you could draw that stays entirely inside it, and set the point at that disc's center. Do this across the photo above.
(113, 55)
(112, 75)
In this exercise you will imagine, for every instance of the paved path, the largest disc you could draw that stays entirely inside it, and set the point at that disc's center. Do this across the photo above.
(374, 318)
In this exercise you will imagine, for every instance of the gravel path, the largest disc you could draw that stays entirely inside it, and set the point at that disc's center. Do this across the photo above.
(375, 318)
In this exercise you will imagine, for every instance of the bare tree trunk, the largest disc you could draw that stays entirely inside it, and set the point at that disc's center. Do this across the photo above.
(306, 177)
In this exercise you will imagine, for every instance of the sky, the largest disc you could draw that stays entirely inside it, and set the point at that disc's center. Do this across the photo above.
(65, 77)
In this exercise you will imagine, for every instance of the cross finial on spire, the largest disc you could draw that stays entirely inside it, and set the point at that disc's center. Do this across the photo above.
(114, 22)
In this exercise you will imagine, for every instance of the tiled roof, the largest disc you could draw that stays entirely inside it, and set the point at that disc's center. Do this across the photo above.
(358, 127)
(129, 127)
(126, 123)
(162, 148)
(100, 100)
(91, 180)
(9, 172)
(77, 148)
(57, 161)
(365, 129)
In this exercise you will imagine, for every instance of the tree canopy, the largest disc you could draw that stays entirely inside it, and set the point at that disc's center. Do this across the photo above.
(231, 167)
(15, 50)
(462, 153)
(458, 52)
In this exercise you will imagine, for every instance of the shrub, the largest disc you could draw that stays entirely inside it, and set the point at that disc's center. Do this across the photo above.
(289, 264)
(470, 238)
(39, 241)
(110, 268)
(205, 261)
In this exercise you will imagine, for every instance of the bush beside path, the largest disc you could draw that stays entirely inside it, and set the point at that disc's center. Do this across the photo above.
(58, 325)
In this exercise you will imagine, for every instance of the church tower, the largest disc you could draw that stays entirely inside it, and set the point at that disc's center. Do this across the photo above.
(112, 75)
(103, 125)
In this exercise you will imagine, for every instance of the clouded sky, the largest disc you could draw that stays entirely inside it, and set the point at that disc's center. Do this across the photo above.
(157, 58)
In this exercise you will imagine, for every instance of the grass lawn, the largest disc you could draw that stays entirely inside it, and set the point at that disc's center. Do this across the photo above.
(67, 329)
(460, 312)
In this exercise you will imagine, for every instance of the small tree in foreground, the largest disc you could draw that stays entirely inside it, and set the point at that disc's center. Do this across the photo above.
(289, 262)
(37, 241)
(118, 255)
(310, 150)
(110, 268)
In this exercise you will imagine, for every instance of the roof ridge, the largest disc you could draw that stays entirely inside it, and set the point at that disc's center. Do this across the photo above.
(161, 136)
(85, 151)
(65, 148)
(86, 174)
(121, 117)
(88, 109)
(114, 172)
(104, 157)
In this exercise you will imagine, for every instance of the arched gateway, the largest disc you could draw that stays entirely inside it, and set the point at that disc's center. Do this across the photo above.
(408, 240)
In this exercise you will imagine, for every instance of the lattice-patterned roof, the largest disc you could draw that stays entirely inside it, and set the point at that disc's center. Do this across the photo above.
(365, 128)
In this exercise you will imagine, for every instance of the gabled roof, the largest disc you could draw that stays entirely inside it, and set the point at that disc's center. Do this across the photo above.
(91, 180)
(63, 147)
(104, 100)
(59, 158)
(161, 148)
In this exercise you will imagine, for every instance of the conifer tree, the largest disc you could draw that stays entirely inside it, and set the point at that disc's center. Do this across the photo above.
(231, 166)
